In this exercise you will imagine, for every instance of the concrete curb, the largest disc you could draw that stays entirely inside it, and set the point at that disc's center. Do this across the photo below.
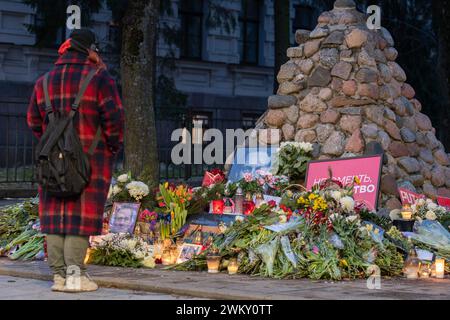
(239, 287)
(124, 284)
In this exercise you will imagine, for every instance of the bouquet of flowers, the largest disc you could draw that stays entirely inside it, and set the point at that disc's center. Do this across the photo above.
(122, 250)
(292, 159)
(251, 184)
(173, 202)
(128, 190)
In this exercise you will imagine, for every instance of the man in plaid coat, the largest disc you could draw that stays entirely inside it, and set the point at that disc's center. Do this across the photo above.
(68, 223)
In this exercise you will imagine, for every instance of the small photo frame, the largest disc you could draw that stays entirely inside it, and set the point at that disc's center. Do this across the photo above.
(123, 217)
(188, 251)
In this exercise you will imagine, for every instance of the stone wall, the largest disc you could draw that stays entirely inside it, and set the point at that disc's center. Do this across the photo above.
(343, 91)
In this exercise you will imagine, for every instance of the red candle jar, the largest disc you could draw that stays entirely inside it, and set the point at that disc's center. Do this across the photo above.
(217, 206)
(249, 205)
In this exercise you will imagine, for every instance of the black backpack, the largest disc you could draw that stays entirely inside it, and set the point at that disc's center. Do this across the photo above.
(62, 167)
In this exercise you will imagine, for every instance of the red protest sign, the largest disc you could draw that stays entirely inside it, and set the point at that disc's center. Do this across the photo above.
(444, 202)
(409, 197)
(367, 169)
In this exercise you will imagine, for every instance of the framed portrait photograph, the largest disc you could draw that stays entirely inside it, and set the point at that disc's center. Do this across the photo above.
(123, 217)
(188, 251)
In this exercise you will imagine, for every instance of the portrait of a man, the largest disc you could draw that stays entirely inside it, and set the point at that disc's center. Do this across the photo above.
(123, 217)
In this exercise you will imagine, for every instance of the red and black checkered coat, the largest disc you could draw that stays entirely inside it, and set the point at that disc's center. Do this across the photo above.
(100, 106)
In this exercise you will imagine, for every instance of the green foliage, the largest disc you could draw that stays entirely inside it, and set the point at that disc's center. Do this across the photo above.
(291, 161)
(114, 258)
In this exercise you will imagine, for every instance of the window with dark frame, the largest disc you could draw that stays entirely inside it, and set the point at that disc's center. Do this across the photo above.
(305, 18)
(201, 121)
(249, 120)
(191, 17)
(249, 19)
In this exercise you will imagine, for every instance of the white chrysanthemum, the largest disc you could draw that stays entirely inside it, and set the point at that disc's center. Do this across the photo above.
(347, 204)
(137, 189)
(395, 214)
(336, 195)
(414, 208)
(420, 202)
(430, 215)
(432, 206)
(429, 201)
(122, 178)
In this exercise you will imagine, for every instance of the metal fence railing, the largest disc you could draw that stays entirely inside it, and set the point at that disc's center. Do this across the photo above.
(17, 145)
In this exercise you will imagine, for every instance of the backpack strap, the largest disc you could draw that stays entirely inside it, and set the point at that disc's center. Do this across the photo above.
(97, 138)
(48, 104)
(76, 104)
(80, 94)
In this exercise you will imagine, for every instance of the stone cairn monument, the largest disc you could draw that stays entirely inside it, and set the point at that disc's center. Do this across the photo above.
(343, 91)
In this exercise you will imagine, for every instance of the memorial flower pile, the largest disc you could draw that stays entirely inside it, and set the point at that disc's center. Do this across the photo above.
(317, 235)
(122, 250)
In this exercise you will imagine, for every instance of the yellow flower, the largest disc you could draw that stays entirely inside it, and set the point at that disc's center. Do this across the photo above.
(357, 180)
(343, 262)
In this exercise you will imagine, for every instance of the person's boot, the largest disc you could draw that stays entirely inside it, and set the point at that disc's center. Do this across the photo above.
(80, 284)
(58, 283)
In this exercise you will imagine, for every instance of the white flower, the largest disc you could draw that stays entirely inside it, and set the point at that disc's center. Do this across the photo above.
(395, 214)
(347, 204)
(430, 215)
(149, 262)
(139, 255)
(137, 189)
(334, 216)
(306, 146)
(428, 201)
(414, 208)
(432, 206)
(283, 218)
(351, 218)
(336, 195)
(420, 202)
(116, 190)
(122, 178)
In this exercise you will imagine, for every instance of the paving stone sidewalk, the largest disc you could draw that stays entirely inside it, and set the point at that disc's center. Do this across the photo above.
(223, 286)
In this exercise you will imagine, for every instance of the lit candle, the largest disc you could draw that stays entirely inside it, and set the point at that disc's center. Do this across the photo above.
(166, 257)
(440, 268)
(233, 267)
(407, 212)
(213, 263)
(218, 206)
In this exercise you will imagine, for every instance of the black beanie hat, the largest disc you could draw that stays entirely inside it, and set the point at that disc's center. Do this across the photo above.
(84, 36)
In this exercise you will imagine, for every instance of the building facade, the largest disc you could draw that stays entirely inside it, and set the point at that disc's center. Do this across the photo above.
(226, 75)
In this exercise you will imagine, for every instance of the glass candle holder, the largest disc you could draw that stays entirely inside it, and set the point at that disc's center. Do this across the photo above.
(440, 268)
(425, 270)
(233, 266)
(213, 263)
(217, 206)
(166, 258)
(406, 212)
